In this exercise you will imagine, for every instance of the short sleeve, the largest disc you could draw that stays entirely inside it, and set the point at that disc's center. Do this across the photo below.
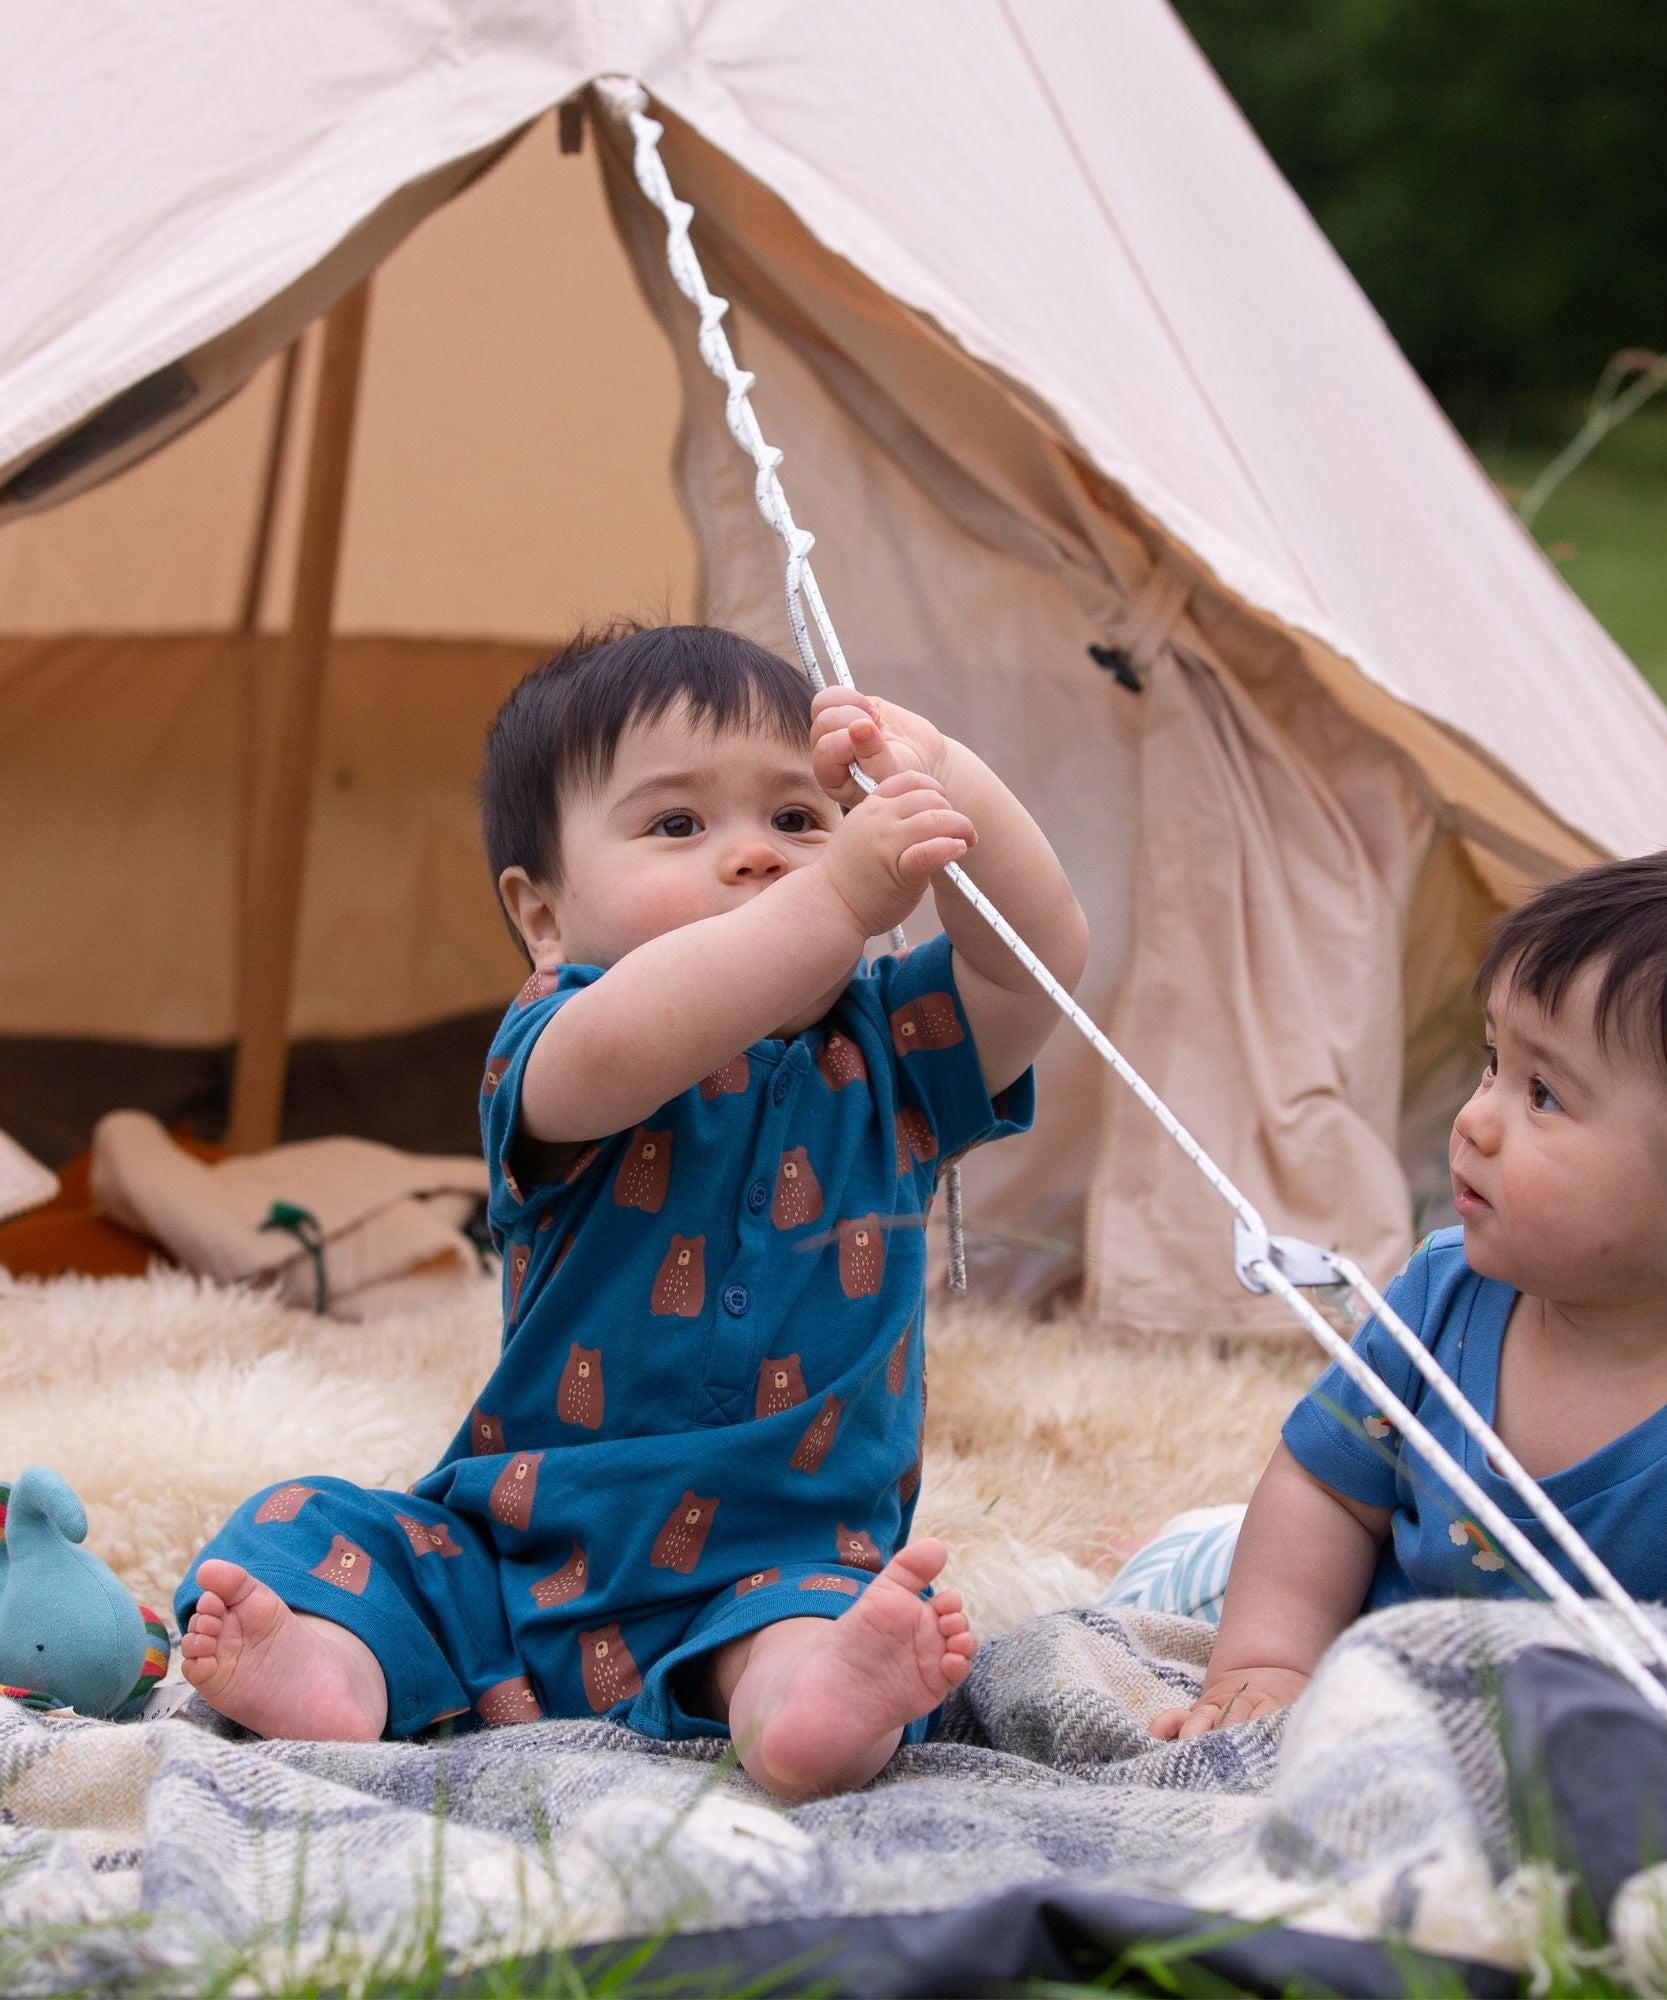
(533, 1009)
(1337, 1433)
(915, 1007)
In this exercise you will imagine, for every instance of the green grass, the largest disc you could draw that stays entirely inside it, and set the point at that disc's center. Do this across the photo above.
(1606, 528)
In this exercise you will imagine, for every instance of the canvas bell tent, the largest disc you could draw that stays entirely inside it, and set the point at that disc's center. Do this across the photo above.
(1056, 362)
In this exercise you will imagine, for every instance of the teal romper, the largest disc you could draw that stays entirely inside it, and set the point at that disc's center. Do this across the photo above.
(709, 1407)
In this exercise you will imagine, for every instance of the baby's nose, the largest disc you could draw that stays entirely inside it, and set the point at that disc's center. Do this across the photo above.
(752, 861)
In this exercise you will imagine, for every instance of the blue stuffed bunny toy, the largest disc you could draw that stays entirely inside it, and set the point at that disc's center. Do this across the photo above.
(71, 1634)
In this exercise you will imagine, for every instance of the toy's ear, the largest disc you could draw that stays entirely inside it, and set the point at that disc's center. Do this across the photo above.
(46, 1496)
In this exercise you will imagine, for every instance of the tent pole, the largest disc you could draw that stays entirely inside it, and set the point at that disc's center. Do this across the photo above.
(282, 806)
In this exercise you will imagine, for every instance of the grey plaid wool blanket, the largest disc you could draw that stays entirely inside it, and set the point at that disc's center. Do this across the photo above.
(1376, 1807)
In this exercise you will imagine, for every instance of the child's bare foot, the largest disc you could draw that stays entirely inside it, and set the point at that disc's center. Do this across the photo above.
(279, 1672)
(821, 1703)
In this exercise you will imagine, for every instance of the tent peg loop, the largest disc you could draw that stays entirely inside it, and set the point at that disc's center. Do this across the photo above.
(1297, 1262)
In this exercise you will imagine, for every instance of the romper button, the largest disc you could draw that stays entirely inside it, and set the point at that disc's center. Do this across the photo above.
(757, 1195)
(779, 1089)
(736, 1299)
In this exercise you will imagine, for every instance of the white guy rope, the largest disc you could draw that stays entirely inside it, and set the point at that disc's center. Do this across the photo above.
(1264, 1263)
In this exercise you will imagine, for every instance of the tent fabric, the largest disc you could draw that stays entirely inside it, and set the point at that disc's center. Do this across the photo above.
(1055, 359)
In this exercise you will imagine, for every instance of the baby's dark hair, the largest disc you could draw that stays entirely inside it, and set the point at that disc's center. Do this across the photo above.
(1614, 915)
(559, 731)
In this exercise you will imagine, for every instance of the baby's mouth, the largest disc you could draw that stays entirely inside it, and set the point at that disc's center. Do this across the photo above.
(1466, 1200)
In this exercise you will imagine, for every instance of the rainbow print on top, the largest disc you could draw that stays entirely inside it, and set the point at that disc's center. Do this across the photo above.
(1483, 1553)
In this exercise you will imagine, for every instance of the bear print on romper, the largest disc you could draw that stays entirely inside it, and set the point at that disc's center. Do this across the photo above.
(927, 1023)
(610, 1672)
(347, 1566)
(680, 1541)
(916, 1141)
(536, 987)
(579, 1399)
(848, 1585)
(285, 1504)
(496, 1070)
(862, 1256)
(562, 1585)
(509, 1701)
(817, 1442)
(730, 1081)
(798, 1191)
(781, 1386)
(486, 1434)
(680, 1283)
(511, 1499)
(757, 1581)
(897, 1368)
(857, 1548)
(645, 1172)
(428, 1538)
(840, 1061)
(520, 1256)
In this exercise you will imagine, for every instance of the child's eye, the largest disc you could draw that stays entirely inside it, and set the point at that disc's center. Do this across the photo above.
(675, 826)
(805, 821)
(1490, 1066)
(1540, 1096)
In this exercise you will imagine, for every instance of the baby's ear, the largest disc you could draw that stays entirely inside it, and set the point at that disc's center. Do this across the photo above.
(532, 910)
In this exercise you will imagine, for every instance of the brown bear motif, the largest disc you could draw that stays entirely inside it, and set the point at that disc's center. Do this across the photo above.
(862, 1256)
(537, 986)
(897, 1368)
(579, 1399)
(680, 1283)
(285, 1504)
(781, 1385)
(520, 1256)
(916, 1141)
(486, 1434)
(610, 1672)
(428, 1538)
(730, 1081)
(840, 1061)
(848, 1584)
(679, 1543)
(909, 1485)
(347, 1566)
(817, 1442)
(562, 1585)
(510, 1181)
(645, 1172)
(509, 1701)
(857, 1549)
(927, 1023)
(496, 1070)
(757, 1581)
(511, 1500)
(798, 1191)
(581, 1160)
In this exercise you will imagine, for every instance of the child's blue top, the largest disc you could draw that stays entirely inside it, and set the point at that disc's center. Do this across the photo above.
(1614, 1497)
(774, 1209)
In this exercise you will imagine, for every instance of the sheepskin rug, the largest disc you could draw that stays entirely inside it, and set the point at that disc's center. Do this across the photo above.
(165, 1400)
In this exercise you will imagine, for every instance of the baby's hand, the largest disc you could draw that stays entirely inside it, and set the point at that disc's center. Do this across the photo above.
(849, 728)
(1238, 1696)
(886, 849)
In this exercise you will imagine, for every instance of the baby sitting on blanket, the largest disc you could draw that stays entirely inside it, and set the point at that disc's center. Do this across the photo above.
(1548, 1307)
(683, 1498)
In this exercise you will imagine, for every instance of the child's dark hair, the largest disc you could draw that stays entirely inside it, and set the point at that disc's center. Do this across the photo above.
(560, 728)
(1614, 914)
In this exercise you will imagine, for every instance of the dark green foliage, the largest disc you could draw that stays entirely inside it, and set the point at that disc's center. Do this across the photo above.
(1492, 171)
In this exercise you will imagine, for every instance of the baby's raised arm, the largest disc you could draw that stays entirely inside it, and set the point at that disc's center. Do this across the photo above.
(682, 1004)
(1300, 1573)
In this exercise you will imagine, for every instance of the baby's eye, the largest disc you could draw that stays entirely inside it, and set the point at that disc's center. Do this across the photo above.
(1490, 1065)
(1540, 1096)
(675, 826)
(804, 820)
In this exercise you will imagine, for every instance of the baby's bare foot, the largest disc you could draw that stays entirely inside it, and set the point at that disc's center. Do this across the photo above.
(831, 1716)
(279, 1672)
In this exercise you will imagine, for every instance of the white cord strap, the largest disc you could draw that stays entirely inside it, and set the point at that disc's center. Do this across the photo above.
(1264, 1263)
